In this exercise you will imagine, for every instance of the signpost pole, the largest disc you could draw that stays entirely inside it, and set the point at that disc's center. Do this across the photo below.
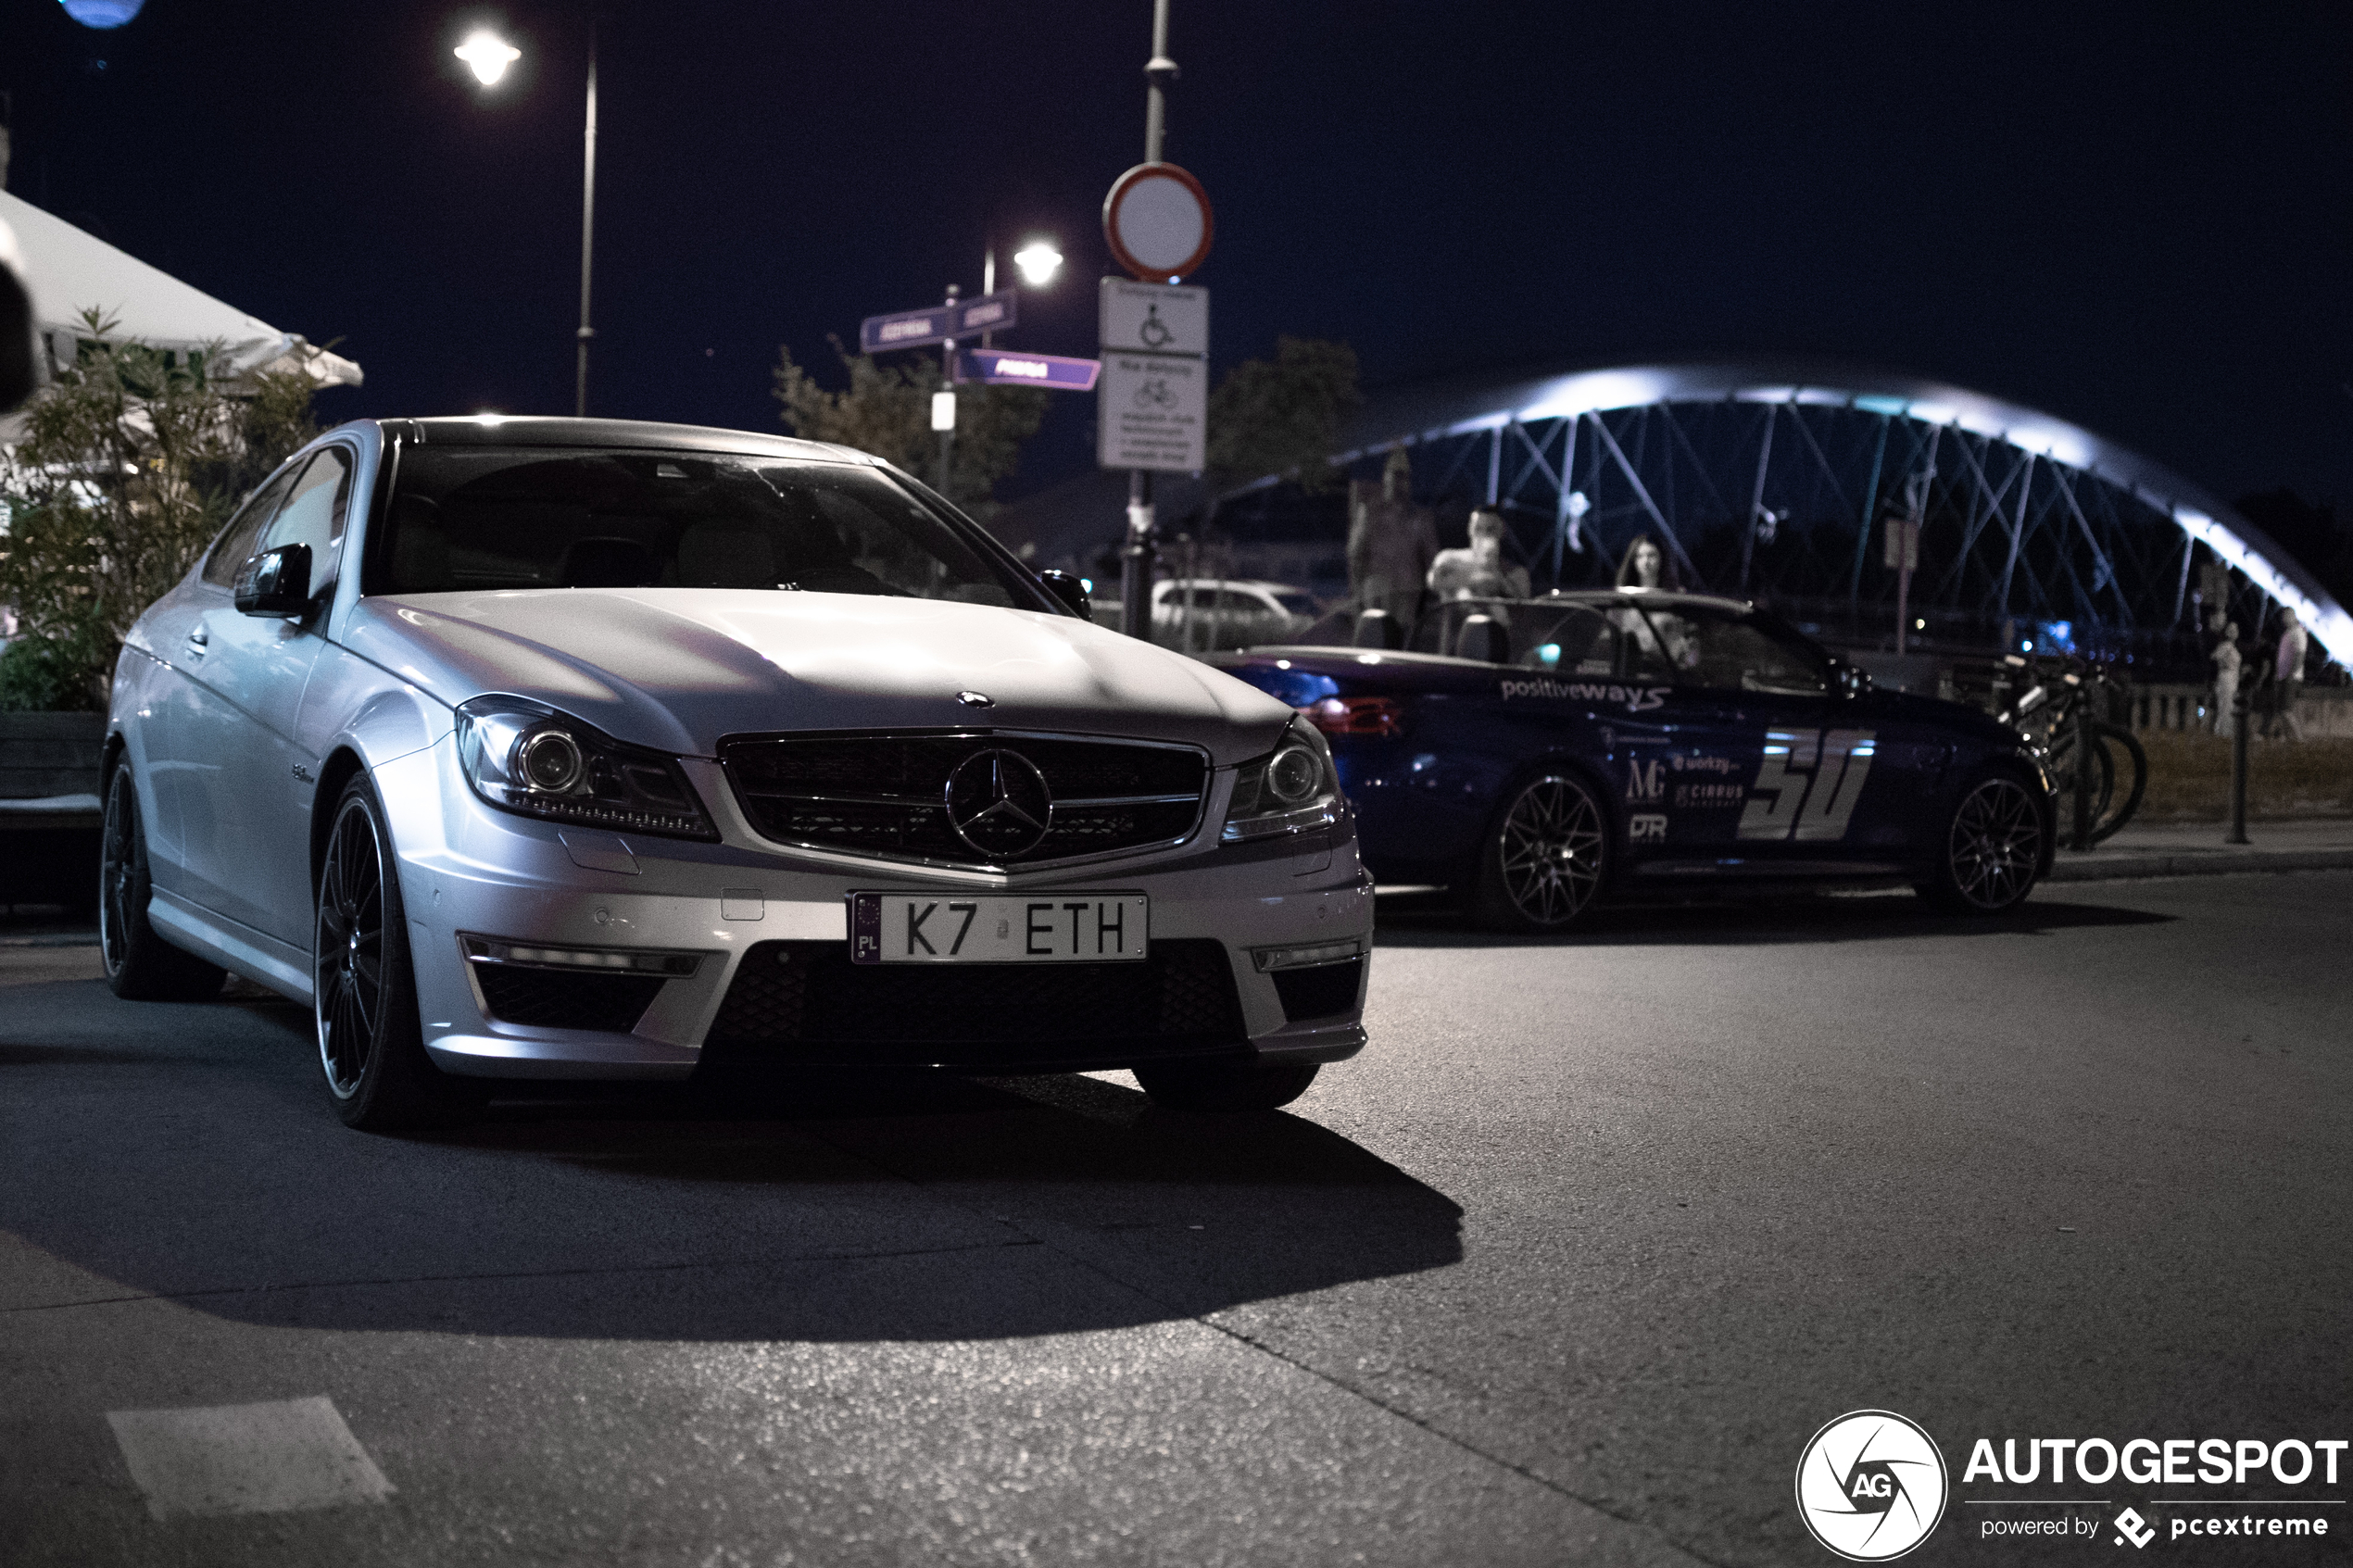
(1137, 562)
(948, 385)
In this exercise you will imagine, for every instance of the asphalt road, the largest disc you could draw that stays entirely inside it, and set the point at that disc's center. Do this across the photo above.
(1566, 1268)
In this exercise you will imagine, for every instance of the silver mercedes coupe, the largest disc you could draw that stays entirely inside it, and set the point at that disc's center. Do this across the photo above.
(584, 749)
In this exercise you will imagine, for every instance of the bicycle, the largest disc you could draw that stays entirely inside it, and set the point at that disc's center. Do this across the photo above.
(2052, 713)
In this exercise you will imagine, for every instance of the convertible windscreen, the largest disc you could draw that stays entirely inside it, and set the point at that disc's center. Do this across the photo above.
(472, 518)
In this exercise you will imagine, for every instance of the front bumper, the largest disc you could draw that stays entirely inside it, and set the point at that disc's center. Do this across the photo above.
(468, 872)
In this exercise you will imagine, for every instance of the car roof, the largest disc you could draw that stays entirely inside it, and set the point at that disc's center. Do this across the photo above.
(526, 430)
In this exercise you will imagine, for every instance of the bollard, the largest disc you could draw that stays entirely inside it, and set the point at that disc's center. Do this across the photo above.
(2239, 706)
(2084, 743)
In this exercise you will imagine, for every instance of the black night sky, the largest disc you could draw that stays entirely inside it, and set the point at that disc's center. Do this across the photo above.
(2131, 217)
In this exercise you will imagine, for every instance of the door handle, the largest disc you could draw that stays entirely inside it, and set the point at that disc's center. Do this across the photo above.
(197, 641)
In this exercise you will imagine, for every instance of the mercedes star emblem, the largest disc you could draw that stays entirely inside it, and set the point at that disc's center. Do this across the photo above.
(998, 802)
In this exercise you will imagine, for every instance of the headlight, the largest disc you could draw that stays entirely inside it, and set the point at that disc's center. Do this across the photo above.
(520, 756)
(1291, 789)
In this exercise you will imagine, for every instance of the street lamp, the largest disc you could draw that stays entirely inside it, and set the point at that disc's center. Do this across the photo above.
(1039, 262)
(488, 56)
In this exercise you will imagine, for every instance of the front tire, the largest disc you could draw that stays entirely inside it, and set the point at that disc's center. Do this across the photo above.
(1991, 851)
(1544, 860)
(140, 966)
(1222, 1087)
(363, 988)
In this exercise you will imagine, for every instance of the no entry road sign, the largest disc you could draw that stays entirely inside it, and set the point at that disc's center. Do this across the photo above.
(999, 366)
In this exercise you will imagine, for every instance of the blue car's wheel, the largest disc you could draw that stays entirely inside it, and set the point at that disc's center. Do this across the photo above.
(1992, 850)
(1545, 858)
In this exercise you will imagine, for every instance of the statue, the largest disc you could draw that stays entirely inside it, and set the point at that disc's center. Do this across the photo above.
(1391, 542)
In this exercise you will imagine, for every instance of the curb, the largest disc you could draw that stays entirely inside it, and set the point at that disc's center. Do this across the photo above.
(2092, 867)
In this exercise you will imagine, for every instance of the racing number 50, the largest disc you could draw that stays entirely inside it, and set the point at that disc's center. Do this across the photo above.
(1808, 784)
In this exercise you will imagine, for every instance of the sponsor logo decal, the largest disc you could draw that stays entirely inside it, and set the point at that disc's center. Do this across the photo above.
(1702, 797)
(1706, 765)
(1644, 780)
(1647, 829)
(1808, 784)
(2131, 1526)
(1636, 700)
(1871, 1485)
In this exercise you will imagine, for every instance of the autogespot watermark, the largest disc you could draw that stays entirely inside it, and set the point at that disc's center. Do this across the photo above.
(1871, 1485)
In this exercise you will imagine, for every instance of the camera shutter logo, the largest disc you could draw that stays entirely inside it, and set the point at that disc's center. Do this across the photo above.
(1871, 1485)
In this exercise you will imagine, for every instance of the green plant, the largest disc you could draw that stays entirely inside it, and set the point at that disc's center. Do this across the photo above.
(1283, 416)
(131, 459)
(885, 410)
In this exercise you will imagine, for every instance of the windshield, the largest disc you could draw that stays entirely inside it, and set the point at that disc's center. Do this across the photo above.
(466, 519)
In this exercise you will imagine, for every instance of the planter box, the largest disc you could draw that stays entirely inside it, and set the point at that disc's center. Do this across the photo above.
(50, 754)
(49, 812)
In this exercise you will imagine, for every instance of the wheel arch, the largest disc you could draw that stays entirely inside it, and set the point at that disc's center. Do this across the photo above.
(341, 766)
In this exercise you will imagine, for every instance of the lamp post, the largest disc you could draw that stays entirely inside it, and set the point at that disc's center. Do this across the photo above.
(488, 56)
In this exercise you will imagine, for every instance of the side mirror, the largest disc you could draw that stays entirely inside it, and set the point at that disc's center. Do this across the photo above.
(275, 582)
(1071, 589)
(1852, 682)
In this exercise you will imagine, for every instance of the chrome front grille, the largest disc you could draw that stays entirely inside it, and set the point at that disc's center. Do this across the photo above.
(888, 796)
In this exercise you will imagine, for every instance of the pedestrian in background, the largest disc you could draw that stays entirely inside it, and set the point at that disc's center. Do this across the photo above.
(2226, 678)
(2288, 673)
(1646, 565)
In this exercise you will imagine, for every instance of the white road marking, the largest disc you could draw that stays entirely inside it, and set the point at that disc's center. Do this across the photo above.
(271, 1458)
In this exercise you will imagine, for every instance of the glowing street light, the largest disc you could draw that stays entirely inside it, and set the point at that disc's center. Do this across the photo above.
(487, 55)
(1039, 262)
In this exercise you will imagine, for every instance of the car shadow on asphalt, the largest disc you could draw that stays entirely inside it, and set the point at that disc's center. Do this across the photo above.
(1431, 919)
(187, 1151)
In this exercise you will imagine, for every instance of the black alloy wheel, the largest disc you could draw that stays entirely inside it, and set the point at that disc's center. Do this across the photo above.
(363, 991)
(1991, 852)
(140, 966)
(1222, 1087)
(1545, 859)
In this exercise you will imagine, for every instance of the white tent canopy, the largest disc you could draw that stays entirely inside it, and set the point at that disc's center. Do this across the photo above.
(70, 273)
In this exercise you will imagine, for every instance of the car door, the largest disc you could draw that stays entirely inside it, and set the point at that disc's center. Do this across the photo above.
(1778, 772)
(178, 633)
(247, 811)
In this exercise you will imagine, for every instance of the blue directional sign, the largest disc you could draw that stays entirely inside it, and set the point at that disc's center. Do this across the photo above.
(989, 313)
(906, 329)
(939, 323)
(1000, 367)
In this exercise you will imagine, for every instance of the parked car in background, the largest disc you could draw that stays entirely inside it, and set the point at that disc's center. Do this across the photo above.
(582, 748)
(1204, 614)
(1566, 747)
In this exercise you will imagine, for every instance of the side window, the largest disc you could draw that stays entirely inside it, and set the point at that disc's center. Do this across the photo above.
(1725, 653)
(1638, 656)
(314, 509)
(1580, 642)
(236, 544)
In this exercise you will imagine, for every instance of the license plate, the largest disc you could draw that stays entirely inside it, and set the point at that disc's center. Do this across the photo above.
(945, 928)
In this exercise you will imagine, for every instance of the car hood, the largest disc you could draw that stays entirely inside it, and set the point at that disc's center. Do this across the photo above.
(677, 669)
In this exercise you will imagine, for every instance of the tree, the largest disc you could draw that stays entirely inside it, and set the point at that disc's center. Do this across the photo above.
(886, 411)
(1284, 416)
(132, 460)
